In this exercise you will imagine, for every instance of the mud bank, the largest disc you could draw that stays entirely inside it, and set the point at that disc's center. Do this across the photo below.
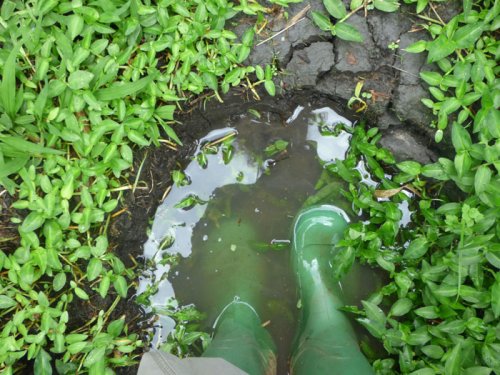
(313, 59)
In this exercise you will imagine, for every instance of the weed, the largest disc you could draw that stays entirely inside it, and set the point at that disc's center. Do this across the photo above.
(439, 312)
(83, 84)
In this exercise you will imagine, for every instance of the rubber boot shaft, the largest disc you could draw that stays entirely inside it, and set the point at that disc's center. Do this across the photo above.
(326, 343)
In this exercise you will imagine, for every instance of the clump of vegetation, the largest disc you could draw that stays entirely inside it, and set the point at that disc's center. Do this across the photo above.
(83, 84)
(439, 312)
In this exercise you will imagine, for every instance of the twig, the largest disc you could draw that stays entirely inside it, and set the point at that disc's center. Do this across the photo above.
(166, 193)
(118, 213)
(128, 187)
(436, 13)
(139, 173)
(295, 20)
(404, 71)
(220, 140)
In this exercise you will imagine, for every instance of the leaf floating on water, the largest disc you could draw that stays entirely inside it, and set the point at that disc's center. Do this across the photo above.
(167, 242)
(190, 201)
(276, 147)
(255, 113)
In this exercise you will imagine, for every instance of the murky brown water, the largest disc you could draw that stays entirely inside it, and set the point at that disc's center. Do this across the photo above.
(251, 203)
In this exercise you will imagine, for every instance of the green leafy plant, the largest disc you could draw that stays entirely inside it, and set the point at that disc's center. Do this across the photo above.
(338, 11)
(276, 147)
(439, 311)
(82, 85)
(357, 101)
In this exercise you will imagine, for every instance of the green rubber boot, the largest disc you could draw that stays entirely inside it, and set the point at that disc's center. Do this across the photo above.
(236, 294)
(241, 340)
(326, 343)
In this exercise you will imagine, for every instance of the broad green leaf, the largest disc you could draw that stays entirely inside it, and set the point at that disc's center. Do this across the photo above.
(33, 221)
(427, 312)
(450, 105)
(19, 147)
(321, 21)
(460, 138)
(80, 79)
(12, 166)
(43, 364)
(75, 26)
(454, 361)
(467, 35)
(336, 8)
(431, 78)
(435, 171)
(477, 370)
(355, 4)
(417, 47)
(59, 281)
(421, 5)
(386, 5)
(121, 286)
(6, 302)
(417, 248)
(210, 80)
(495, 297)
(81, 293)
(166, 112)
(482, 178)
(115, 328)
(410, 167)
(348, 32)
(270, 87)
(94, 356)
(121, 90)
(433, 351)
(440, 48)
(343, 262)
(94, 269)
(137, 138)
(8, 86)
(401, 307)
(373, 312)
(104, 286)
(463, 163)
(248, 36)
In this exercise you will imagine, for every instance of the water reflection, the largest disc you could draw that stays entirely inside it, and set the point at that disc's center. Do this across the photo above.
(266, 195)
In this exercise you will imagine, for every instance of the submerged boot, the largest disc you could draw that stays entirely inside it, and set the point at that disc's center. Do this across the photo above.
(326, 343)
(241, 340)
(235, 273)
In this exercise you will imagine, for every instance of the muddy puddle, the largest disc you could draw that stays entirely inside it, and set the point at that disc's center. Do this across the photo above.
(230, 215)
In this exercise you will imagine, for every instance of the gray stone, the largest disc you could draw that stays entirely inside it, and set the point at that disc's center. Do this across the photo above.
(355, 57)
(408, 107)
(380, 84)
(339, 85)
(306, 32)
(309, 63)
(406, 146)
(387, 28)
(301, 34)
(409, 64)
(388, 120)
